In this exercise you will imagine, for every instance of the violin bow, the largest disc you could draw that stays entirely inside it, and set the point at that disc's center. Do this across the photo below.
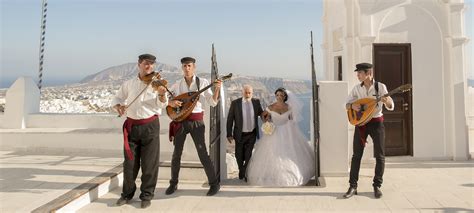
(141, 92)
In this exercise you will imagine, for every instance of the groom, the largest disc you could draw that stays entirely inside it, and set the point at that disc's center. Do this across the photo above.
(242, 126)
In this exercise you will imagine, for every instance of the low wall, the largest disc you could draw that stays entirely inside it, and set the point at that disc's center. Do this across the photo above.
(84, 133)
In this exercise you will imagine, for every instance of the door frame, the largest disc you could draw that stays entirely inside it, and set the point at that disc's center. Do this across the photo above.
(409, 79)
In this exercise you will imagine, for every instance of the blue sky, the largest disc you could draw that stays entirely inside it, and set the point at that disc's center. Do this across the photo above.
(252, 37)
(258, 38)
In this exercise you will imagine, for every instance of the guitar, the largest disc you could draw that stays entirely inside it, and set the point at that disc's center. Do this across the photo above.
(189, 101)
(368, 106)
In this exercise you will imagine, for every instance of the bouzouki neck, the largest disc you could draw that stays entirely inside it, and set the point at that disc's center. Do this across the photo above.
(400, 89)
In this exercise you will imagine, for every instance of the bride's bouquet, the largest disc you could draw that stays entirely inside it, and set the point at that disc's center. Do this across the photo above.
(267, 128)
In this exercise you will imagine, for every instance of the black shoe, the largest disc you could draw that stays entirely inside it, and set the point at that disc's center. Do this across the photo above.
(350, 192)
(171, 189)
(213, 190)
(121, 201)
(241, 176)
(146, 204)
(377, 193)
(245, 179)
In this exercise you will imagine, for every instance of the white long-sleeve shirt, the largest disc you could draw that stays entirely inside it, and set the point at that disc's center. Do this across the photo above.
(181, 87)
(360, 91)
(147, 105)
(247, 126)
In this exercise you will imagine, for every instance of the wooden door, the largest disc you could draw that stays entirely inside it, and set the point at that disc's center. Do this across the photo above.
(392, 66)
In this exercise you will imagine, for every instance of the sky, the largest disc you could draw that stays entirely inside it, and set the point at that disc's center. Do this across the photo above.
(83, 37)
(252, 37)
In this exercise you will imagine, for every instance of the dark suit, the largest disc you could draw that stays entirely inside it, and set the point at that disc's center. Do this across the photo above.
(244, 141)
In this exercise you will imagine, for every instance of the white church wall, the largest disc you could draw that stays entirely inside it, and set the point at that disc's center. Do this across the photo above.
(435, 31)
(470, 119)
(403, 25)
(334, 37)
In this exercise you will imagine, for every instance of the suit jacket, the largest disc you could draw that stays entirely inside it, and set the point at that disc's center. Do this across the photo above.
(235, 118)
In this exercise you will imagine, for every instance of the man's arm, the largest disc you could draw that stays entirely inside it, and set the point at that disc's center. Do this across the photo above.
(208, 94)
(118, 102)
(259, 108)
(351, 98)
(230, 121)
(387, 101)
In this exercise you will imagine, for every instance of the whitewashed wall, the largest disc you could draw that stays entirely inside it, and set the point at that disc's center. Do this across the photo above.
(435, 31)
(22, 127)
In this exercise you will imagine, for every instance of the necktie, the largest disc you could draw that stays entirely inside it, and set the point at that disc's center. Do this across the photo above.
(249, 111)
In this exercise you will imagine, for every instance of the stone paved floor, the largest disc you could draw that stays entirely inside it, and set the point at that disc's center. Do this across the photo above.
(31, 179)
(427, 186)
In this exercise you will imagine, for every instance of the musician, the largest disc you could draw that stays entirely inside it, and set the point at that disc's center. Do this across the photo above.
(368, 88)
(194, 124)
(141, 131)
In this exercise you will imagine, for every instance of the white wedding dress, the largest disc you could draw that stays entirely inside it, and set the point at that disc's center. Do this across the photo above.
(284, 158)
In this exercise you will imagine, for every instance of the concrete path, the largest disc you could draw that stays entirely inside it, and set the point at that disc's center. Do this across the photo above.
(428, 186)
(29, 180)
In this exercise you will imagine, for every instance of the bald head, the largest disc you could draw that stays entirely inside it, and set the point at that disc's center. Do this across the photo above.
(247, 91)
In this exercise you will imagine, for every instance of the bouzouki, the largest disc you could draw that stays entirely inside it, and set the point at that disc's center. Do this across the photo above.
(189, 101)
(368, 106)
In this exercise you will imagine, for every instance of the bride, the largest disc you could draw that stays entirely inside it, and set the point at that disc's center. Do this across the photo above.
(284, 157)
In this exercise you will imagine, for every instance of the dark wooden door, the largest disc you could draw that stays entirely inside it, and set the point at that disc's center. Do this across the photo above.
(392, 66)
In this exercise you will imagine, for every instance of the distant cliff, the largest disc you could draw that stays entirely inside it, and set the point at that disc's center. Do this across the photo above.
(262, 85)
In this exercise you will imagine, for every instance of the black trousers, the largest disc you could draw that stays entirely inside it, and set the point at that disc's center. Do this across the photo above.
(144, 141)
(376, 130)
(196, 129)
(243, 151)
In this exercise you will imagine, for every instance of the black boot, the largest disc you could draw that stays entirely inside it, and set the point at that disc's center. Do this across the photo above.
(171, 189)
(121, 201)
(350, 192)
(145, 204)
(377, 193)
(213, 190)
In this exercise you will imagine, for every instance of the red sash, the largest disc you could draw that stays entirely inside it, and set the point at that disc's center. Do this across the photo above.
(175, 126)
(362, 129)
(127, 128)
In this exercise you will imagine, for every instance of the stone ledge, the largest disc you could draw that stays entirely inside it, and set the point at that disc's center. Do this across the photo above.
(82, 190)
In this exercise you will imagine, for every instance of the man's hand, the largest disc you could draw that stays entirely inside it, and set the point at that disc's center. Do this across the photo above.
(217, 89)
(230, 139)
(356, 107)
(386, 101)
(175, 103)
(265, 116)
(218, 84)
(161, 90)
(120, 109)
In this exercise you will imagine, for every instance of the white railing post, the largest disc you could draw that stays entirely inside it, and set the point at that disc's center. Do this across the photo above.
(22, 98)
(334, 145)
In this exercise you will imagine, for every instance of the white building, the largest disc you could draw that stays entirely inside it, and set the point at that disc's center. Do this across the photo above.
(419, 42)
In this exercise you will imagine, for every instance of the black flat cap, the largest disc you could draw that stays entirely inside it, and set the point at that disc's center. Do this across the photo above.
(363, 66)
(187, 60)
(148, 57)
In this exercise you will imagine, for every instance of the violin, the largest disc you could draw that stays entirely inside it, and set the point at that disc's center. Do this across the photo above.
(155, 80)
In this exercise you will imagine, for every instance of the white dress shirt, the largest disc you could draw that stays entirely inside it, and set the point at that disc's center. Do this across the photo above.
(181, 87)
(360, 91)
(247, 126)
(147, 105)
